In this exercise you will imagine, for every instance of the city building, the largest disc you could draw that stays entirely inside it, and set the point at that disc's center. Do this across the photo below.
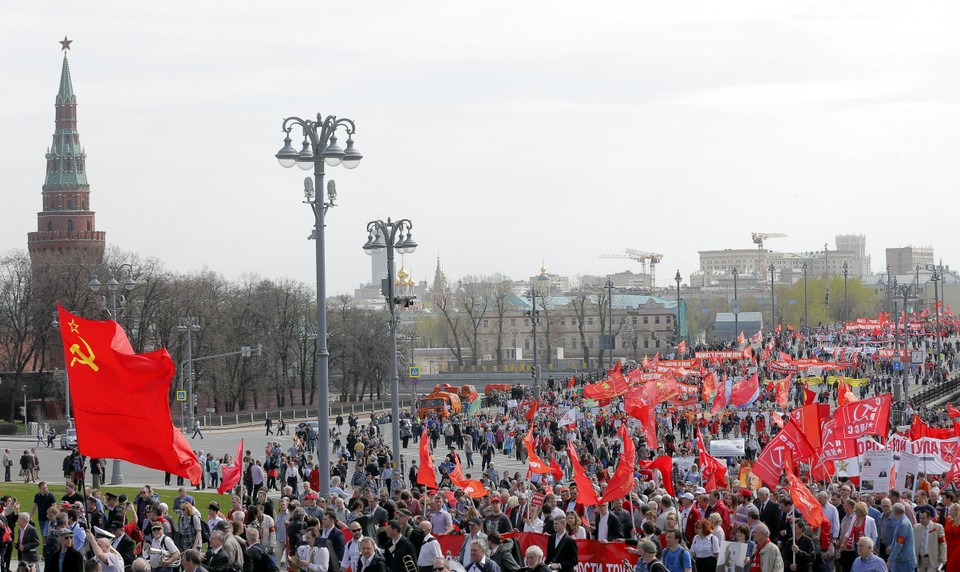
(716, 266)
(906, 259)
(66, 225)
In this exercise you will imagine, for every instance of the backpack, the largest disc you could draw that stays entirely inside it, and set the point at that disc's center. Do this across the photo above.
(204, 532)
(271, 563)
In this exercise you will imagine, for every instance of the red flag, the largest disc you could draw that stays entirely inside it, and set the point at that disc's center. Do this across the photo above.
(745, 391)
(664, 464)
(426, 472)
(532, 412)
(720, 401)
(952, 411)
(639, 403)
(106, 377)
(714, 469)
(536, 463)
(572, 382)
(667, 387)
(613, 386)
(804, 500)
(783, 390)
(645, 363)
(621, 483)
(844, 395)
(740, 338)
(919, 429)
(953, 474)
(556, 470)
(777, 330)
(585, 495)
(757, 337)
(789, 441)
(833, 447)
(809, 397)
(809, 419)
(682, 347)
(869, 416)
(709, 386)
(233, 471)
(470, 487)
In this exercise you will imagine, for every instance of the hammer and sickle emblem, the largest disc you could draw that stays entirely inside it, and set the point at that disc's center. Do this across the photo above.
(87, 359)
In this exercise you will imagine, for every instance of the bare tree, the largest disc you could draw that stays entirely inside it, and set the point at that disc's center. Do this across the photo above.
(473, 297)
(501, 290)
(446, 304)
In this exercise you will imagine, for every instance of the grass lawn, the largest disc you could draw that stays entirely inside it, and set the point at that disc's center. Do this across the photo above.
(24, 493)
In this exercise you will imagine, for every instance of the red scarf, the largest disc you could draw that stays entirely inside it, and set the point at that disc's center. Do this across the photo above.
(756, 557)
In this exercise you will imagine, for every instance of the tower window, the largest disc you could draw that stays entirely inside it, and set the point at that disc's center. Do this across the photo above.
(89, 225)
(70, 225)
(49, 225)
(69, 205)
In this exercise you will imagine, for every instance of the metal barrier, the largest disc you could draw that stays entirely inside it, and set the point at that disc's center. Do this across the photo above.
(296, 415)
(938, 393)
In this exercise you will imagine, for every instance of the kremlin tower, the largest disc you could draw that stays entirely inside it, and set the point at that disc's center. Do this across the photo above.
(66, 225)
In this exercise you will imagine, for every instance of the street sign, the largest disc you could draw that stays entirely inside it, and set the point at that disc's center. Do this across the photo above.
(181, 395)
(414, 372)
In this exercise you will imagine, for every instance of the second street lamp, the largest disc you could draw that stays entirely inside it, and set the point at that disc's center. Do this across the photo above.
(389, 235)
(677, 320)
(319, 149)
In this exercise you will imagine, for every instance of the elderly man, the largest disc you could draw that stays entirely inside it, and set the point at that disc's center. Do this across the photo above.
(534, 559)
(430, 550)
(28, 541)
(770, 511)
(766, 555)
(689, 516)
(866, 560)
(478, 558)
(903, 557)
(370, 560)
(110, 559)
(216, 558)
(931, 545)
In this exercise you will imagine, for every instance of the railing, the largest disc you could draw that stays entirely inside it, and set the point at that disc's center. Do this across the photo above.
(939, 392)
(298, 414)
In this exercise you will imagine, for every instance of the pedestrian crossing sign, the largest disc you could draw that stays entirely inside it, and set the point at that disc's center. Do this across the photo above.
(414, 372)
(181, 395)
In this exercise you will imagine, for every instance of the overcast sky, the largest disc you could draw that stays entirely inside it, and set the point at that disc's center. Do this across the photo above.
(509, 132)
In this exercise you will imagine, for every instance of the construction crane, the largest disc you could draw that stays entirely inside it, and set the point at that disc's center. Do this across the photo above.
(759, 238)
(648, 261)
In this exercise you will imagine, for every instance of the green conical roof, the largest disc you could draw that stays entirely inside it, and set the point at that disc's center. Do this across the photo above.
(65, 95)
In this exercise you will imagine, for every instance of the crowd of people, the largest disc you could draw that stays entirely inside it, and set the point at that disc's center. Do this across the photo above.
(375, 518)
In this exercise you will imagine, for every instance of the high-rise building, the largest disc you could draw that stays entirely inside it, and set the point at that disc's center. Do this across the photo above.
(905, 260)
(66, 225)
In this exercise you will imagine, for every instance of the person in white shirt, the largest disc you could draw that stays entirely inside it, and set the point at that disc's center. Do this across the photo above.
(110, 560)
(534, 520)
(310, 558)
(430, 550)
(351, 551)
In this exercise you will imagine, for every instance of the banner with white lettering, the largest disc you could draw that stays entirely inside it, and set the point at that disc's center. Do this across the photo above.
(935, 455)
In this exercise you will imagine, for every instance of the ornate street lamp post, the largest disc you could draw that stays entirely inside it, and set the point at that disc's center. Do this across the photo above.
(320, 149)
(389, 235)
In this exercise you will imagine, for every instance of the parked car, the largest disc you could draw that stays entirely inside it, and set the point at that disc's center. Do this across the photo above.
(69, 439)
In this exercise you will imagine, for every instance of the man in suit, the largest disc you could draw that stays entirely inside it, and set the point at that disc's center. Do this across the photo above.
(29, 540)
(397, 547)
(254, 559)
(561, 549)
(122, 543)
(769, 512)
(216, 558)
(191, 561)
(72, 560)
(370, 560)
(335, 540)
(502, 552)
(606, 526)
(473, 526)
(519, 512)
(930, 543)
